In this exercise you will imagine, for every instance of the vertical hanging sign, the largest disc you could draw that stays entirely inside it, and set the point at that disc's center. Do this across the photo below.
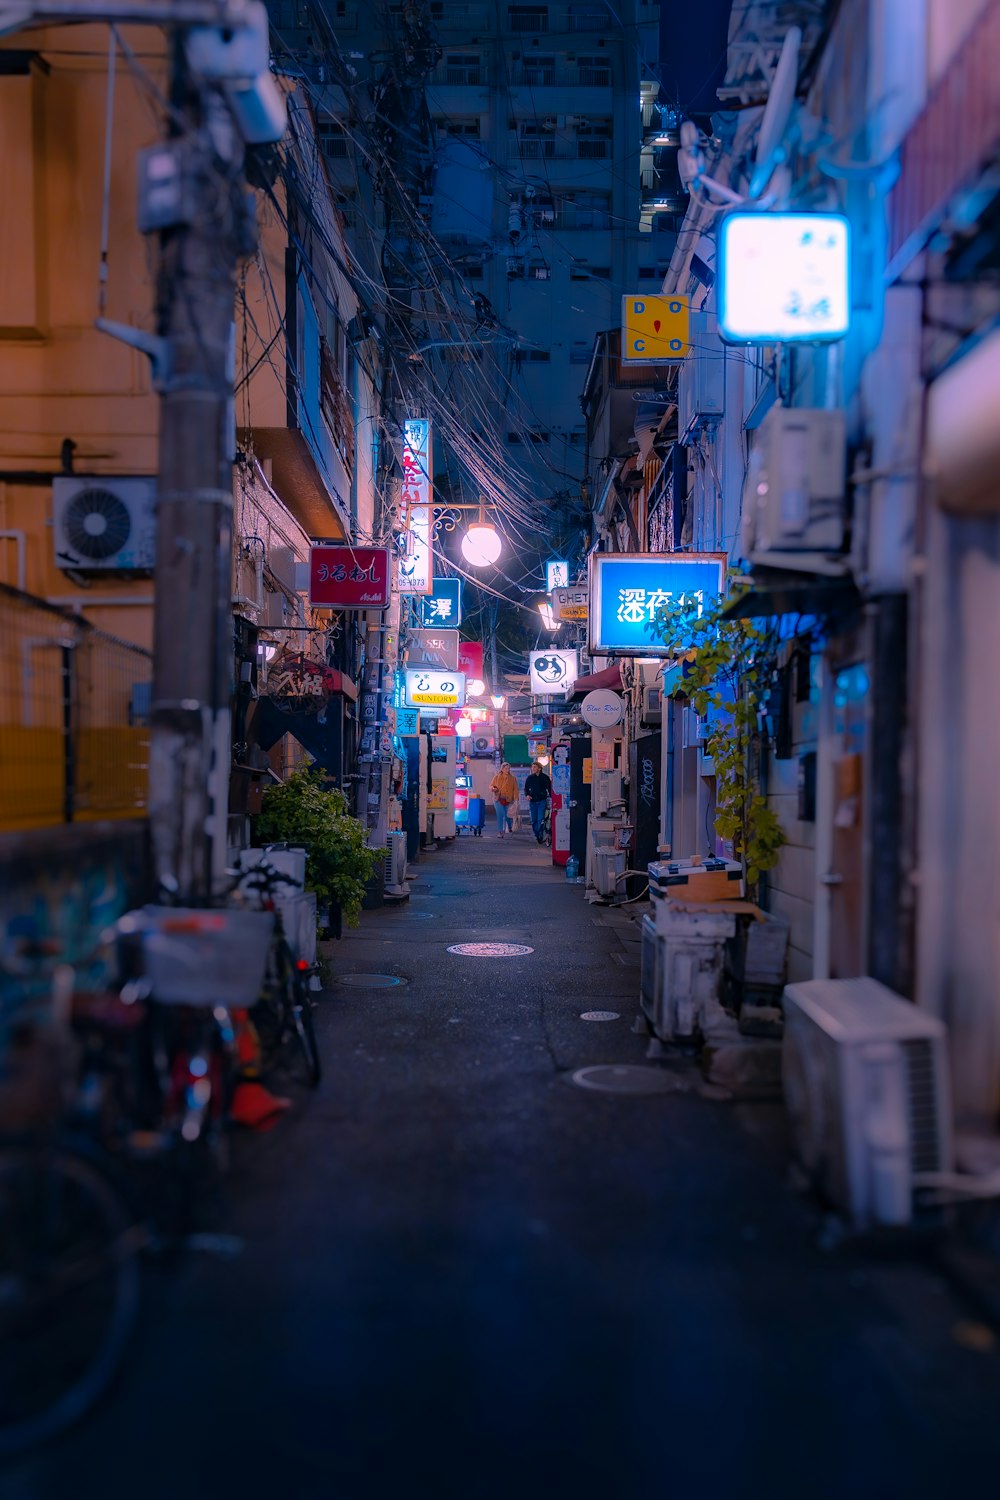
(415, 570)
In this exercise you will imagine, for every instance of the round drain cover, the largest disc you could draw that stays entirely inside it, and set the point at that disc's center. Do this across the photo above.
(490, 950)
(418, 916)
(370, 981)
(600, 1015)
(607, 1078)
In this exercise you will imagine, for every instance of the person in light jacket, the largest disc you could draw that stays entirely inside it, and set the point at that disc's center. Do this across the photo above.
(504, 791)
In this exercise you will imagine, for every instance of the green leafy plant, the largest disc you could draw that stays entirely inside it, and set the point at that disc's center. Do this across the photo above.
(302, 810)
(728, 665)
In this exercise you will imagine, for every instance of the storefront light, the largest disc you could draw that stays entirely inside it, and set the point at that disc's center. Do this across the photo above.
(476, 687)
(463, 728)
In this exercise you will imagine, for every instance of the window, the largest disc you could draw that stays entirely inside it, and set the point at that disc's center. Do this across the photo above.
(593, 140)
(462, 125)
(579, 354)
(538, 271)
(348, 205)
(538, 72)
(514, 438)
(463, 67)
(587, 18)
(587, 211)
(332, 140)
(595, 71)
(581, 272)
(576, 436)
(473, 272)
(528, 17)
(536, 143)
(537, 356)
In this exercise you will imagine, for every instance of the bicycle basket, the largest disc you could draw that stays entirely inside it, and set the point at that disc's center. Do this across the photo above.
(198, 957)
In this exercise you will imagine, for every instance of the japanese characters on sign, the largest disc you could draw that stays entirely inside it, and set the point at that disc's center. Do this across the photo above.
(443, 606)
(556, 576)
(414, 568)
(346, 577)
(427, 687)
(627, 590)
(553, 672)
(784, 277)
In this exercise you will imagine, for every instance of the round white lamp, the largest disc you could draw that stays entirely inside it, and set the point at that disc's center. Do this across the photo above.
(463, 728)
(475, 687)
(480, 545)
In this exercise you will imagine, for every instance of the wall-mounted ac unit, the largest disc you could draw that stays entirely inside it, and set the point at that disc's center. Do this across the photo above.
(701, 380)
(794, 496)
(483, 744)
(651, 714)
(395, 865)
(866, 1087)
(104, 523)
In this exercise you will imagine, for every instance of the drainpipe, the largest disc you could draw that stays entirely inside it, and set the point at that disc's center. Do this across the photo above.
(20, 540)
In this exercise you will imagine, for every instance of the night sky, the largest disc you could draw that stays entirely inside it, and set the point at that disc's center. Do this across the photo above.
(693, 40)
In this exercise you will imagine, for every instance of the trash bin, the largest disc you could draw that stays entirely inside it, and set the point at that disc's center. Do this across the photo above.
(477, 815)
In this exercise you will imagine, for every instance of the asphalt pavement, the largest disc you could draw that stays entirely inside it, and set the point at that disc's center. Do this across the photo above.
(466, 1276)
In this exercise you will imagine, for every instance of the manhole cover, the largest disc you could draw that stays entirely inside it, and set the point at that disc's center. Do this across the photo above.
(370, 981)
(607, 1078)
(490, 950)
(600, 1015)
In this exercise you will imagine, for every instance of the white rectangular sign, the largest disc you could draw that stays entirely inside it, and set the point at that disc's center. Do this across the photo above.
(429, 687)
(553, 672)
(433, 648)
(415, 570)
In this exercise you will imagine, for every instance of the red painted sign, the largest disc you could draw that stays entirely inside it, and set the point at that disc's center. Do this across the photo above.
(470, 658)
(346, 577)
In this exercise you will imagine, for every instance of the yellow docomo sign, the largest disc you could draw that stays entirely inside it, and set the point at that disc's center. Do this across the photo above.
(655, 330)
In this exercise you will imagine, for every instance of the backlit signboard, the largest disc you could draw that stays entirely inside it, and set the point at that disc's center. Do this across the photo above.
(415, 567)
(443, 605)
(655, 330)
(784, 278)
(433, 648)
(556, 576)
(628, 589)
(346, 577)
(553, 672)
(470, 659)
(429, 687)
(571, 603)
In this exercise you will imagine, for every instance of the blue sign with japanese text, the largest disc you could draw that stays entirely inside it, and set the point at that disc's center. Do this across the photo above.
(627, 590)
(443, 606)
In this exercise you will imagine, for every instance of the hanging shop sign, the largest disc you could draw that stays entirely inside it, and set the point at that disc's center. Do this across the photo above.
(556, 576)
(427, 687)
(470, 659)
(415, 571)
(655, 330)
(407, 721)
(553, 672)
(570, 603)
(433, 648)
(628, 589)
(602, 708)
(443, 605)
(346, 577)
(784, 278)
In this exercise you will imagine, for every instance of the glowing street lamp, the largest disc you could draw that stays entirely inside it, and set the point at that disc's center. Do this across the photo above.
(463, 728)
(498, 700)
(480, 545)
(476, 687)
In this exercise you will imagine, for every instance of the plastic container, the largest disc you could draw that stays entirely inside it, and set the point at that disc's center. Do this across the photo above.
(572, 867)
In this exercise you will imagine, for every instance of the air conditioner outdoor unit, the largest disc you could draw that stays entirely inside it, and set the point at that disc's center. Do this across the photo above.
(701, 380)
(794, 496)
(652, 706)
(866, 1088)
(483, 744)
(395, 865)
(103, 523)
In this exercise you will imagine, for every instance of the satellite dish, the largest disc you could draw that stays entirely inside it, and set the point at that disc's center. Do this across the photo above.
(777, 112)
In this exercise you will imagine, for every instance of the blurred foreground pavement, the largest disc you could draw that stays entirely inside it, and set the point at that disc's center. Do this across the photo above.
(464, 1276)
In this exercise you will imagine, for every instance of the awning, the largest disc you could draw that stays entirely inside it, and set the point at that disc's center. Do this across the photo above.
(796, 594)
(611, 678)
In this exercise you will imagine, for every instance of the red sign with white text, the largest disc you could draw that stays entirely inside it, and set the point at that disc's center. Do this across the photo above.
(346, 577)
(470, 658)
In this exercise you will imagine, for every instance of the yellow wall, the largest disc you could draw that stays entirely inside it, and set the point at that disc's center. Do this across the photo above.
(60, 377)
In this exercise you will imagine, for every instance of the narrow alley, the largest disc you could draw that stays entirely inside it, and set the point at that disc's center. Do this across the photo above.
(465, 1275)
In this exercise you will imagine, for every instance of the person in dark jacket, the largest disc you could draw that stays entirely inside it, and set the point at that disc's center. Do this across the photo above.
(538, 790)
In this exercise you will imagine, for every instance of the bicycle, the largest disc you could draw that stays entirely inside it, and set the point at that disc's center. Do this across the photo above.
(285, 1007)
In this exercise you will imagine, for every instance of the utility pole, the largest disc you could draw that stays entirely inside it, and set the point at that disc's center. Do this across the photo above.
(192, 636)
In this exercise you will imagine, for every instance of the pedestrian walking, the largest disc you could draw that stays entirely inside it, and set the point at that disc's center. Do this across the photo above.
(538, 790)
(504, 791)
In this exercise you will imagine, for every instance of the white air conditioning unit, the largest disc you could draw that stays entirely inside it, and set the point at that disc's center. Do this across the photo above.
(794, 495)
(395, 865)
(651, 714)
(103, 523)
(483, 744)
(682, 969)
(701, 380)
(866, 1087)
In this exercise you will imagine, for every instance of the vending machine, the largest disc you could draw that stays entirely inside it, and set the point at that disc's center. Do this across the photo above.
(441, 786)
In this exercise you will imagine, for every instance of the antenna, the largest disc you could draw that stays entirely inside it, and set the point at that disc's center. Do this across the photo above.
(777, 113)
(691, 166)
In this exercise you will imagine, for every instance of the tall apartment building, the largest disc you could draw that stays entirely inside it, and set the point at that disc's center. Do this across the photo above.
(534, 128)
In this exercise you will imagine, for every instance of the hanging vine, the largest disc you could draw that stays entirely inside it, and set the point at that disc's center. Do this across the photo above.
(728, 667)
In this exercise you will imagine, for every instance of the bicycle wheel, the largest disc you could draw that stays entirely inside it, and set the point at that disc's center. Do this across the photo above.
(300, 1010)
(69, 1289)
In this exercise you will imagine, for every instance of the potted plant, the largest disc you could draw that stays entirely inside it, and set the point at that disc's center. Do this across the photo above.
(303, 810)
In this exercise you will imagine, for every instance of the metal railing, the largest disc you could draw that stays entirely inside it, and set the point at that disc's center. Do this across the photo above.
(74, 705)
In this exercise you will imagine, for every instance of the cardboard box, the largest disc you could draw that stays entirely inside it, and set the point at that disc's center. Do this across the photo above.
(706, 880)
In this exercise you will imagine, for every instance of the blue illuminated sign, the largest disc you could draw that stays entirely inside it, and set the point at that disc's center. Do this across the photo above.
(627, 590)
(784, 278)
(443, 606)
